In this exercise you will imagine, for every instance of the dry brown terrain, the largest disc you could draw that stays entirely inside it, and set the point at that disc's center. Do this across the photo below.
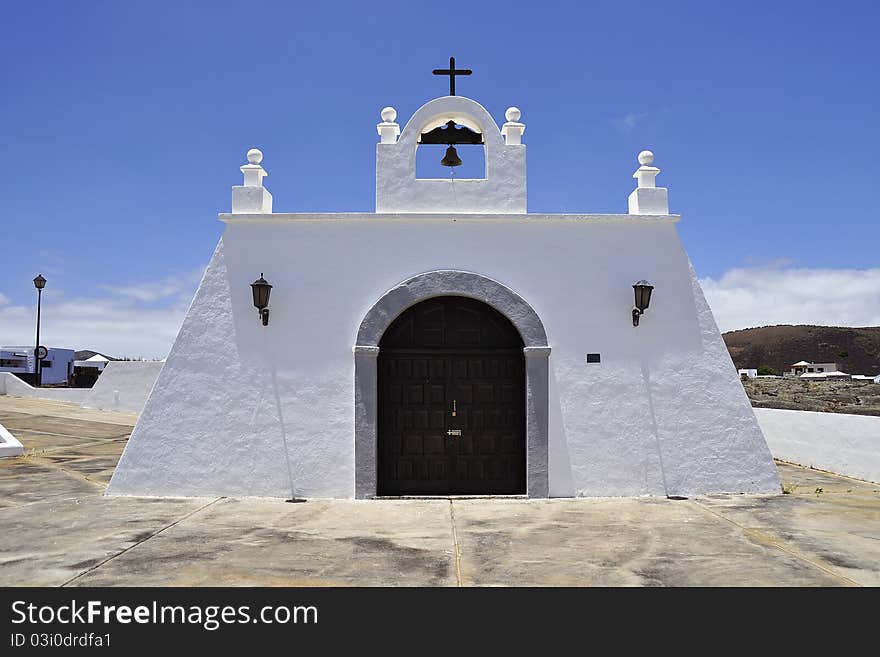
(828, 396)
(856, 350)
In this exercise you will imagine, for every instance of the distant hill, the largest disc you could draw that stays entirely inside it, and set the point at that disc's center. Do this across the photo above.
(857, 350)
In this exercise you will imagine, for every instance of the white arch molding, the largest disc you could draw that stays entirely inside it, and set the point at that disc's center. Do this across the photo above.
(450, 282)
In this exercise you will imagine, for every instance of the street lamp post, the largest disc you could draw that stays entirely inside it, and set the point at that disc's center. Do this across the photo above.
(39, 283)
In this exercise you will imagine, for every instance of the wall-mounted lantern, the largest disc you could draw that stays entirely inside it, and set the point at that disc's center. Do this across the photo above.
(261, 290)
(642, 291)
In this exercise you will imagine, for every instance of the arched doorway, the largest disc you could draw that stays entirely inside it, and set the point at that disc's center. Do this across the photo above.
(451, 401)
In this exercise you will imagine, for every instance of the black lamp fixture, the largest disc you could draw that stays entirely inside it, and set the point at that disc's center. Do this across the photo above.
(642, 291)
(261, 290)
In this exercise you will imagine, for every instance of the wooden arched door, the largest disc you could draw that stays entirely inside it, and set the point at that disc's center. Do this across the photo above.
(451, 402)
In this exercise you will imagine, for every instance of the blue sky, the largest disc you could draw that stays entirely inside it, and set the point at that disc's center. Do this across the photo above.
(124, 125)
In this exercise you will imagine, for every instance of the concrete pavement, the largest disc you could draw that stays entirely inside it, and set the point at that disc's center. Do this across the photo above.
(60, 530)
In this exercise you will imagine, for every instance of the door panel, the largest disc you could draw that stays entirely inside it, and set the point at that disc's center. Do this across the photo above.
(489, 457)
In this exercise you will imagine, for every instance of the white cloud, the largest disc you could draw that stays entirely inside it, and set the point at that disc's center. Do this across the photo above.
(168, 288)
(139, 320)
(628, 121)
(761, 296)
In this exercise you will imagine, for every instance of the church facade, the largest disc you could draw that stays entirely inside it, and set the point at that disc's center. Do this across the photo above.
(450, 343)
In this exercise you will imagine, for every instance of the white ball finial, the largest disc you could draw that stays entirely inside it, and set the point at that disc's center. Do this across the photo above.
(389, 114)
(512, 114)
(255, 156)
(646, 158)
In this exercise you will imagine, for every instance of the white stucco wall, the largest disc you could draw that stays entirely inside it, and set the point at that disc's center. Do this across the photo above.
(845, 444)
(12, 385)
(243, 409)
(123, 386)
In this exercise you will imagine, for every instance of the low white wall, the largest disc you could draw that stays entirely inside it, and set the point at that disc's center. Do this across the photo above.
(12, 385)
(9, 445)
(845, 444)
(123, 386)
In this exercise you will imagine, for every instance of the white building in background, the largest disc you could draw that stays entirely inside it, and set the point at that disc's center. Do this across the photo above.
(805, 367)
(56, 368)
(18, 360)
(748, 373)
(96, 362)
(818, 372)
(448, 343)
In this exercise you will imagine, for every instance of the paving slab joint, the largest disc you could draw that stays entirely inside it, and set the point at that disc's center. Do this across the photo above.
(455, 546)
(775, 542)
(144, 540)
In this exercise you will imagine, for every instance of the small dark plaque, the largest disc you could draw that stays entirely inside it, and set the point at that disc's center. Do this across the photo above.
(592, 358)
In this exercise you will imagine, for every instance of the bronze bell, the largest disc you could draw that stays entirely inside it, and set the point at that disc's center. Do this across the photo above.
(451, 159)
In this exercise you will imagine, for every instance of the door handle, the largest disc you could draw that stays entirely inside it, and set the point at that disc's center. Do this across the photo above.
(453, 408)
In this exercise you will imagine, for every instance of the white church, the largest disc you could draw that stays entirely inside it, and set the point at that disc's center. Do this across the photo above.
(449, 343)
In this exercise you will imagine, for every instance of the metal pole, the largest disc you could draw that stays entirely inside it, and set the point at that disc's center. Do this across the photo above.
(38, 374)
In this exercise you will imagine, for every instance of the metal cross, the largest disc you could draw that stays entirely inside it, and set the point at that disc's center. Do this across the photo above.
(452, 72)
